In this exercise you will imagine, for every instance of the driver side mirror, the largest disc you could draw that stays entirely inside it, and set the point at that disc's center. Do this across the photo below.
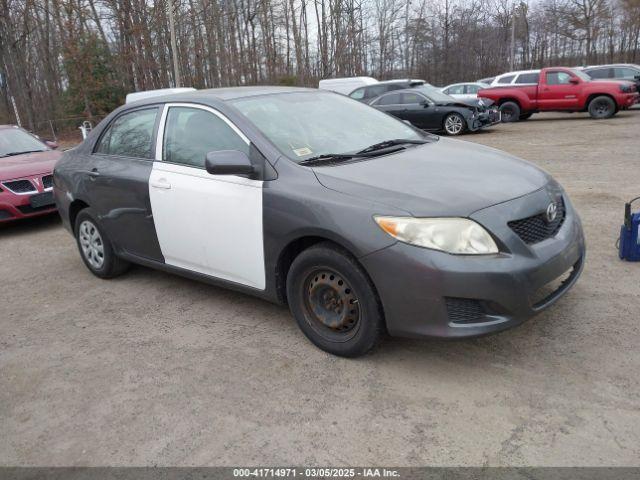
(574, 80)
(51, 144)
(228, 162)
(425, 103)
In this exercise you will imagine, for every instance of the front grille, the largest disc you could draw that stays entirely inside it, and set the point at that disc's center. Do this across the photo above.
(20, 186)
(4, 215)
(537, 228)
(464, 310)
(47, 181)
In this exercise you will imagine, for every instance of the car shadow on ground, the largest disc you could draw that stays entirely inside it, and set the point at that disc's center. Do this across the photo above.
(28, 226)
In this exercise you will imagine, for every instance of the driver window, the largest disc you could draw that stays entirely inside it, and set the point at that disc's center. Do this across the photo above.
(558, 78)
(455, 90)
(191, 133)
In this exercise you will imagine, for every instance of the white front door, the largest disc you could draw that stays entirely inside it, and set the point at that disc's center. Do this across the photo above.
(211, 224)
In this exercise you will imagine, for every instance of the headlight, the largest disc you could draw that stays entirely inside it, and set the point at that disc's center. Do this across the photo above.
(626, 88)
(451, 235)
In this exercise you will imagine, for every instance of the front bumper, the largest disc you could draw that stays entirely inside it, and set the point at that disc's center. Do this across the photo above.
(15, 206)
(485, 119)
(417, 286)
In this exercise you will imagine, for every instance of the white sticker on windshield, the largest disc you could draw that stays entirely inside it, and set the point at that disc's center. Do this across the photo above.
(301, 152)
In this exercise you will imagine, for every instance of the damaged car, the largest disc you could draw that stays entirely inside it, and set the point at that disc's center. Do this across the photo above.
(429, 109)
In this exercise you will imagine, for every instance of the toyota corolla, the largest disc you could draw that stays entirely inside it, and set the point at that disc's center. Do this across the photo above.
(359, 222)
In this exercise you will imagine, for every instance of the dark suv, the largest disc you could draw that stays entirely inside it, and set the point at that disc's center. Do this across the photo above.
(619, 71)
(369, 92)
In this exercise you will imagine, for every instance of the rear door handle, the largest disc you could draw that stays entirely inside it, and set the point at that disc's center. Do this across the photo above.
(163, 184)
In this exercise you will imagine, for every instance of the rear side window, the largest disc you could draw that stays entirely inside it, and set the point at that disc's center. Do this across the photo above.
(191, 133)
(600, 73)
(358, 94)
(528, 78)
(558, 78)
(376, 91)
(626, 73)
(506, 79)
(411, 98)
(130, 135)
(455, 90)
(391, 99)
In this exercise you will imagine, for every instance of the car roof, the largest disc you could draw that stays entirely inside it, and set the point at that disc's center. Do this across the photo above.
(609, 65)
(221, 94)
(464, 83)
(518, 72)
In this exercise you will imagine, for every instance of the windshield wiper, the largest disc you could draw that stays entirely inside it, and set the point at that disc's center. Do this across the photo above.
(391, 143)
(327, 158)
(13, 154)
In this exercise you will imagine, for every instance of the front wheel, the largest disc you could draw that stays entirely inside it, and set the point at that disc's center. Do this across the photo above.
(510, 112)
(454, 124)
(602, 107)
(525, 116)
(334, 302)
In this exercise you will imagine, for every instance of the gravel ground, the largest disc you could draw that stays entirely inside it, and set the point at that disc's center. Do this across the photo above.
(153, 369)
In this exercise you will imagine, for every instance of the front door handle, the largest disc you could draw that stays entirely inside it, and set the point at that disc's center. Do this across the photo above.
(163, 184)
(93, 173)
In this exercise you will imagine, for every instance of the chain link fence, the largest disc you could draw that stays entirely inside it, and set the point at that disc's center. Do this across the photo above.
(67, 131)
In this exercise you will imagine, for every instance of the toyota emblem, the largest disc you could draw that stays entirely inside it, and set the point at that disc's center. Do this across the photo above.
(552, 212)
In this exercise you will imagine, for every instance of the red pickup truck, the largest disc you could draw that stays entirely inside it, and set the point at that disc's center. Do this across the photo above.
(562, 89)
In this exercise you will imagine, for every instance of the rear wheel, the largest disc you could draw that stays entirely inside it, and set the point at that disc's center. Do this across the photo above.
(454, 124)
(602, 107)
(510, 112)
(95, 247)
(334, 302)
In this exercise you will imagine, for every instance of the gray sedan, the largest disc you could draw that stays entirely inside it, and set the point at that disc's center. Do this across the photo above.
(359, 222)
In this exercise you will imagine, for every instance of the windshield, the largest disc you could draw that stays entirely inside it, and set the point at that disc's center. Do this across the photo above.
(435, 94)
(14, 141)
(310, 124)
(580, 74)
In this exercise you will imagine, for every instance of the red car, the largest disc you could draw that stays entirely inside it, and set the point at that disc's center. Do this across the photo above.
(26, 174)
(564, 90)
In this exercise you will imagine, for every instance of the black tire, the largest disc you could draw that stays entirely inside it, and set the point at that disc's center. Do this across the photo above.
(98, 255)
(602, 107)
(454, 124)
(334, 302)
(525, 116)
(510, 112)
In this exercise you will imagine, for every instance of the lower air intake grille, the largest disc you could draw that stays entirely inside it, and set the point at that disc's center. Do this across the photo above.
(464, 310)
(538, 228)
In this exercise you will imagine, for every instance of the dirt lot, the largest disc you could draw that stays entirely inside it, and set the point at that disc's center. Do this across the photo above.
(152, 369)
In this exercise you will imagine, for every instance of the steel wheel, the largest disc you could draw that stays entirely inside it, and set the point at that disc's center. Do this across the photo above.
(91, 244)
(601, 108)
(331, 304)
(453, 124)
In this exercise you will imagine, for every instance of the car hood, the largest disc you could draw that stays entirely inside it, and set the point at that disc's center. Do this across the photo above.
(443, 178)
(28, 164)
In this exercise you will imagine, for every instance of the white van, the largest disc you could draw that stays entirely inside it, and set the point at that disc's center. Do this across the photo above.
(345, 85)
